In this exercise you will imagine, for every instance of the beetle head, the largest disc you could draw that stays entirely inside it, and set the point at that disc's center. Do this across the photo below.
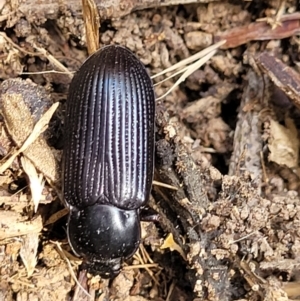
(104, 235)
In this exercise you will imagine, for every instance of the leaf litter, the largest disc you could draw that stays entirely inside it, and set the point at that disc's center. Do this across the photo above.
(227, 139)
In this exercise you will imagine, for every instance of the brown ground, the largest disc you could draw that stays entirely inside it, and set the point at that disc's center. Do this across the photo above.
(227, 138)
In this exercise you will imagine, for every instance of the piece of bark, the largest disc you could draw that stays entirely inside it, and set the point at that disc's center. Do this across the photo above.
(248, 142)
(44, 9)
(175, 166)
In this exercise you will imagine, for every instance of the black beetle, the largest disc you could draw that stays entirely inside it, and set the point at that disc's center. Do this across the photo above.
(108, 157)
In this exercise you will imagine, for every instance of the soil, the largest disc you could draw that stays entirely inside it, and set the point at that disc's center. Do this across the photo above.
(227, 138)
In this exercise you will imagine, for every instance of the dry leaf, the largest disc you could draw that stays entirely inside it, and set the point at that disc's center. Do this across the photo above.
(283, 143)
(172, 245)
(292, 289)
(28, 252)
(36, 181)
(26, 135)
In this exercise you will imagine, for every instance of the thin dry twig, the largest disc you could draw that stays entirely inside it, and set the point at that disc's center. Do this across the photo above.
(260, 31)
(146, 267)
(275, 21)
(56, 216)
(92, 25)
(3, 34)
(41, 52)
(62, 254)
(283, 76)
(53, 60)
(47, 72)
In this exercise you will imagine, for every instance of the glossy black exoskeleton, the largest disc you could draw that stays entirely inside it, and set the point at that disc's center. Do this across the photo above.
(108, 157)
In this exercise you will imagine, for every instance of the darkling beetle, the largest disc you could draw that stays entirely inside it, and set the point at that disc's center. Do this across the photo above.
(108, 157)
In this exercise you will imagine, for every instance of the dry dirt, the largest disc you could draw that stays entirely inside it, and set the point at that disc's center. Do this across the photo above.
(227, 138)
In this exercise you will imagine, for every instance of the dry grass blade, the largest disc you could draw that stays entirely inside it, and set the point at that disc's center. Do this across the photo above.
(141, 266)
(190, 59)
(145, 266)
(145, 254)
(164, 185)
(202, 57)
(188, 72)
(171, 289)
(92, 25)
(38, 129)
(172, 75)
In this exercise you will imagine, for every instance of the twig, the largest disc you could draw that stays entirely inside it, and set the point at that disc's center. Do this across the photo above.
(39, 9)
(17, 46)
(54, 61)
(61, 253)
(260, 31)
(92, 24)
(283, 76)
(47, 72)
